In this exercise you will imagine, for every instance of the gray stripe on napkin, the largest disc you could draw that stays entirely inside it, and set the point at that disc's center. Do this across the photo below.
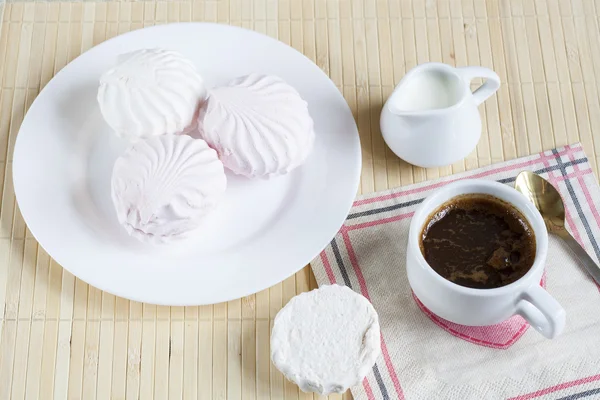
(384, 209)
(584, 221)
(340, 263)
(380, 383)
(581, 395)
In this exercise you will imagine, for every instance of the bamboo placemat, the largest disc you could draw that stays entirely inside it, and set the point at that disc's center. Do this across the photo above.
(60, 336)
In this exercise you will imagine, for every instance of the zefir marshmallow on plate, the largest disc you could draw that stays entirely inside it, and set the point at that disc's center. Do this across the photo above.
(151, 92)
(163, 187)
(259, 125)
(326, 340)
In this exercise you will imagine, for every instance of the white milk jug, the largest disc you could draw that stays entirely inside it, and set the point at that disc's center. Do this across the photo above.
(431, 118)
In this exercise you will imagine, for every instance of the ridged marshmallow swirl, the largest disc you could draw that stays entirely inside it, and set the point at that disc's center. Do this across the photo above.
(151, 92)
(163, 186)
(259, 125)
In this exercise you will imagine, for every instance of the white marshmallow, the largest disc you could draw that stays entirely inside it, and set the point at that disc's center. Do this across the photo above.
(259, 125)
(163, 186)
(149, 93)
(326, 340)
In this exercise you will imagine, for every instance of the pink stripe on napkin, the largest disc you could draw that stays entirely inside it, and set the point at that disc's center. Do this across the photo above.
(556, 388)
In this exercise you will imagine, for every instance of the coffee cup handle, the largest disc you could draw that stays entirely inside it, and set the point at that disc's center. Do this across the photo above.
(489, 87)
(542, 311)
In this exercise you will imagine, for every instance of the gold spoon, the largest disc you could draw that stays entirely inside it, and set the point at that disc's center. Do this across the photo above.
(548, 201)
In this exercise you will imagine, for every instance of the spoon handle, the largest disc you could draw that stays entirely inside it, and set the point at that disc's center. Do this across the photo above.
(590, 265)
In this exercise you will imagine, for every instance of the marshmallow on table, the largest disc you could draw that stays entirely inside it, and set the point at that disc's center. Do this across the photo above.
(326, 340)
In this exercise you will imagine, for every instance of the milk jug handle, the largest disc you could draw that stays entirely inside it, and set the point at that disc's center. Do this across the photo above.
(489, 87)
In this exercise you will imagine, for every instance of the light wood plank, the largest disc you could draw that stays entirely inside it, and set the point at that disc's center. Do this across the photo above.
(276, 378)
(13, 280)
(134, 351)
(161, 362)
(205, 360)
(7, 355)
(75, 31)
(5, 9)
(249, 349)
(147, 354)
(91, 352)
(34, 360)
(105, 349)
(8, 335)
(176, 359)
(191, 356)
(6, 98)
(263, 359)
(52, 353)
(234, 359)
(12, 53)
(219, 360)
(35, 356)
(120, 349)
(77, 346)
(19, 367)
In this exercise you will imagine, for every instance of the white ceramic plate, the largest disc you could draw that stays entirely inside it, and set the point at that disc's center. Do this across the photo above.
(262, 233)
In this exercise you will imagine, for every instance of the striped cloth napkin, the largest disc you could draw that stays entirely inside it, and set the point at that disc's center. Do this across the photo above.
(425, 357)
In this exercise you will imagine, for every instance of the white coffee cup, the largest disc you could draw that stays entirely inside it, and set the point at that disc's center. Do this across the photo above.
(481, 307)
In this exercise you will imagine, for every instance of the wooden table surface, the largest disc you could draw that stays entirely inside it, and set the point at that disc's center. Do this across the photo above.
(61, 338)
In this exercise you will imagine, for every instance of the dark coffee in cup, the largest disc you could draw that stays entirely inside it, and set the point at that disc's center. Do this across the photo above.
(478, 241)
